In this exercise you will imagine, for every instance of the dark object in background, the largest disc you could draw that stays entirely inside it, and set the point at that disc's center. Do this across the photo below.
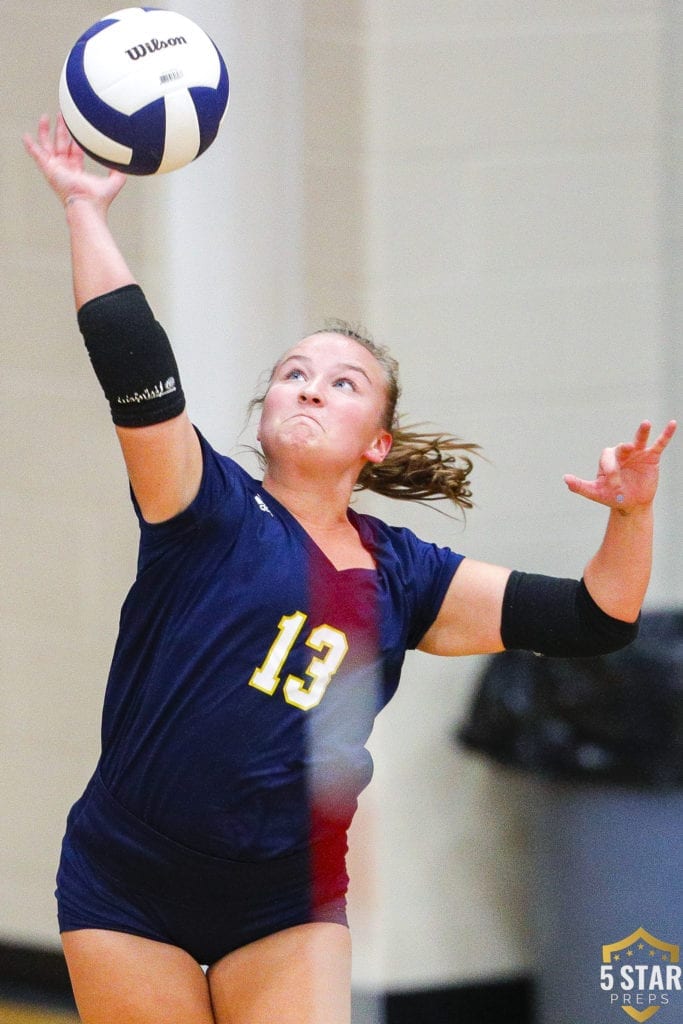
(614, 719)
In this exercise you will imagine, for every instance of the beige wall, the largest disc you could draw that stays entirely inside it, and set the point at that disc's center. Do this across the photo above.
(67, 539)
(485, 185)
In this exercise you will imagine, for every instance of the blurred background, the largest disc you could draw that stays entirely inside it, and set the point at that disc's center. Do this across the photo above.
(493, 188)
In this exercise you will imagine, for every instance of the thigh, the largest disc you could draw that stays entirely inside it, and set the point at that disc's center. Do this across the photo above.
(301, 975)
(127, 979)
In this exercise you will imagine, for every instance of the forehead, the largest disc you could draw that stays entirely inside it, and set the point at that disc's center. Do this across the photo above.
(331, 349)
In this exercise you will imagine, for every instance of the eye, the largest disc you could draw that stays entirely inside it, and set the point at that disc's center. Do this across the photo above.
(294, 374)
(344, 383)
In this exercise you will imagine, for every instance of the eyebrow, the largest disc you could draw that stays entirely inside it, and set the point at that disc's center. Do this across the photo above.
(341, 366)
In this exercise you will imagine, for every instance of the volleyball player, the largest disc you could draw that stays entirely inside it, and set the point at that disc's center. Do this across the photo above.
(265, 629)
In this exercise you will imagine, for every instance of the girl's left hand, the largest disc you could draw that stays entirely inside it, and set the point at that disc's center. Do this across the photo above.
(627, 474)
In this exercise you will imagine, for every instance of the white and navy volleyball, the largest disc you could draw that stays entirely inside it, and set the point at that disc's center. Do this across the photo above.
(144, 90)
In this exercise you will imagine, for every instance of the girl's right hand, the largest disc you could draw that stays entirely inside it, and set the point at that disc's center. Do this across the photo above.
(62, 162)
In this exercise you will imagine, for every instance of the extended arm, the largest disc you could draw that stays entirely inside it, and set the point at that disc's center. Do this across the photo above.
(484, 603)
(618, 574)
(162, 455)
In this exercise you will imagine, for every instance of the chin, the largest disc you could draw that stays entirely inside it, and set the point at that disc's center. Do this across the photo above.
(292, 442)
(304, 432)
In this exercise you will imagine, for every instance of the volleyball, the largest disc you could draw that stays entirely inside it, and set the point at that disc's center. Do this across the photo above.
(144, 91)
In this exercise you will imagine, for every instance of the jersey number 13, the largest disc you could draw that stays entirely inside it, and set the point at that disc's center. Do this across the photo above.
(301, 693)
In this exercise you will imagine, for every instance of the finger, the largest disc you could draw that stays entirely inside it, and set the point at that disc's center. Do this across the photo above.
(662, 441)
(611, 461)
(43, 133)
(586, 488)
(35, 150)
(116, 180)
(622, 453)
(73, 148)
(642, 434)
(62, 137)
(29, 143)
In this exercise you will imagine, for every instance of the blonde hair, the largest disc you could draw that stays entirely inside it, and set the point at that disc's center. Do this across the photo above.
(420, 466)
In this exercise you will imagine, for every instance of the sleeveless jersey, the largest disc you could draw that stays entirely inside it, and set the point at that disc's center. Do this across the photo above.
(248, 670)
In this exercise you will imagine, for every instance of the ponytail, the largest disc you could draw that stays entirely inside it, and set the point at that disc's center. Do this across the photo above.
(422, 467)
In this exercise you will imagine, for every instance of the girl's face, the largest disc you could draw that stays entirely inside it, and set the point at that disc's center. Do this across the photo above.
(326, 400)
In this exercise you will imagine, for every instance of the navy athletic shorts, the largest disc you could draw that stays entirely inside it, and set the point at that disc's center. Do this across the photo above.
(118, 873)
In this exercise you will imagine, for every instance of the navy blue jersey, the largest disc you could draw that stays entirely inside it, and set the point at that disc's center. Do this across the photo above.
(248, 670)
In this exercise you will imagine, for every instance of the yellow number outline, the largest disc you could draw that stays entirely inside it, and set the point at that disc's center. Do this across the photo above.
(298, 692)
(308, 695)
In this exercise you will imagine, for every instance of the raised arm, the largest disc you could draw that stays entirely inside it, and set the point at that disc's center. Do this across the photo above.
(618, 574)
(488, 608)
(129, 350)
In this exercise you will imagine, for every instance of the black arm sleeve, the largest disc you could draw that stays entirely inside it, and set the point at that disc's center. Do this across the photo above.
(559, 618)
(132, 358)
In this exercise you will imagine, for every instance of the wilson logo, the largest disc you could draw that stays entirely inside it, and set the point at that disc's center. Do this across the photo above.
(154, 45)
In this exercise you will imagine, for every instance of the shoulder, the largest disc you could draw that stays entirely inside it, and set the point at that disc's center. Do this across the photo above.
(222, 467)
(402, 546)
(415, 573)
(226, 491)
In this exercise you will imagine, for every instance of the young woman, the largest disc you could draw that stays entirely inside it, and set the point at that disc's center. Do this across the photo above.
(265, 629)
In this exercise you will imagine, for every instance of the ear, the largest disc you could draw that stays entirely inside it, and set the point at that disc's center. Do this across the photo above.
(380, 447)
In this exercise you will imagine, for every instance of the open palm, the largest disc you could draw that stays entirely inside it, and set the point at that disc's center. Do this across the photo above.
(63, 164)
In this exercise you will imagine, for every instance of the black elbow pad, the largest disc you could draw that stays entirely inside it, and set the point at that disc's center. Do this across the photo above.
(132, 358)
(559, 618)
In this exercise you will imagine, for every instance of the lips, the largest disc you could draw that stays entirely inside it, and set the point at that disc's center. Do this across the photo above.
(305, 416)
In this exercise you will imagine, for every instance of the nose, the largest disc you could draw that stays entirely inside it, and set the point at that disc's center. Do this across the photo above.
(310, 392)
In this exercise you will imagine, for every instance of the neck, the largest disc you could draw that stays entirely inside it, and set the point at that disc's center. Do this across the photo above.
(319, 502)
